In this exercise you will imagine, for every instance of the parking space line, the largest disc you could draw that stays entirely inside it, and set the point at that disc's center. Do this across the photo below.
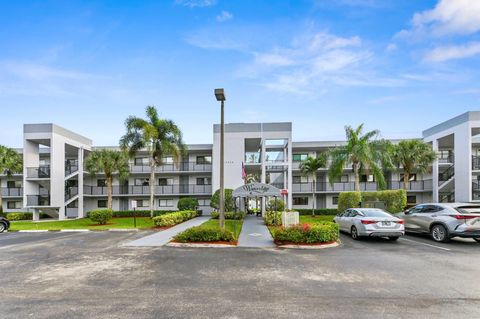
(425, 244)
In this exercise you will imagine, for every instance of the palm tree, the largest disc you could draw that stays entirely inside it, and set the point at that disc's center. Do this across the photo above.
(361, 152)
(10, 163)
(159, 137)
(413, 156)
(310, 167)
(109, 162)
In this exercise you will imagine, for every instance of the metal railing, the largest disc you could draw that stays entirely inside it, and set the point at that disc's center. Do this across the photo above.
(12, 192)
(38, 172)
(476, 163)
(182, 167)
(446, 197)
(446, 175)
(38, 200)
(71, 192)
(364, 186)
(446, 157)
(145, 190)
(71, 166)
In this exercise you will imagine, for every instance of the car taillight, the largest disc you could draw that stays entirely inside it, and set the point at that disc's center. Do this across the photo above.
(464, 216)
(400, 221)
(368, 222)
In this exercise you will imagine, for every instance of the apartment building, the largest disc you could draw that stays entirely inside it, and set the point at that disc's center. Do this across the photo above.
(55, 182)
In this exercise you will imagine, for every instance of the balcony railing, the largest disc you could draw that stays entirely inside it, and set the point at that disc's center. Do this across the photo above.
(38, 172)
(12, 192)
(364, 186)
(145, 190)
(38, 200)
(182, 167)
(70, 192)
(71, 166)
(446, 175)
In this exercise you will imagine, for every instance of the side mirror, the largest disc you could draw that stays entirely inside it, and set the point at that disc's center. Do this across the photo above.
(407, 212)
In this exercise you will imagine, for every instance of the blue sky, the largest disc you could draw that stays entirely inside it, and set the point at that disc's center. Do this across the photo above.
(397, 66)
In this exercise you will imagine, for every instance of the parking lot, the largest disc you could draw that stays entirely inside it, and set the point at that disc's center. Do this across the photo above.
(87, 275)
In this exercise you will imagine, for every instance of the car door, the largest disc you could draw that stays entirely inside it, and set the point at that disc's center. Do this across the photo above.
(426, 216)
(411, 218)
(339, 219)
(348, 220)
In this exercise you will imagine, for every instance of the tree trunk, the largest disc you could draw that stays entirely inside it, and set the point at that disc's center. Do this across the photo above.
(109, 192)
(151, 183)
(313, 197)
(406, 180)
(357, 177)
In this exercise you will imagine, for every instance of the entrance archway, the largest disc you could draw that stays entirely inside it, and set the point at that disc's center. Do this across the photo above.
(256, 190)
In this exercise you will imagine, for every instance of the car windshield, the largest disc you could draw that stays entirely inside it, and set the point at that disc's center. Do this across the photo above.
(375, 213)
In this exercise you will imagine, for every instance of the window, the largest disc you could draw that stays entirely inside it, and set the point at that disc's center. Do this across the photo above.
(413, 177)
(141, 161)
(300, 179)
(101, 182)
(427, 209)
(299, 157)
(44, 162)
(367, 178)
(14, 184)
(102, 203)
(168, 160)
(14, 204)
(204, 159)
(165, 181)
(335, 200)
(411, 199)
(204, 181)
(165, 202)
(204, 202)
(300, 201)
(142, 181)
(142, 203)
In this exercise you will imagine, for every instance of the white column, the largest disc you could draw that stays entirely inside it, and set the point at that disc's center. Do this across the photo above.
(463, 163)
(435, 196)
(81, 213)
(290, 177)
(263, 177)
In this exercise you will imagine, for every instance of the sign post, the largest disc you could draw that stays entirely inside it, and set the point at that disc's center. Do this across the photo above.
(134, 206)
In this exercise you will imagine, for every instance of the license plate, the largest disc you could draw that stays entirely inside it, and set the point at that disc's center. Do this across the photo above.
(385, 223)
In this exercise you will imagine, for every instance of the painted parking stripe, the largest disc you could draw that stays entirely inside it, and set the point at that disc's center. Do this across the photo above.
(425, 244)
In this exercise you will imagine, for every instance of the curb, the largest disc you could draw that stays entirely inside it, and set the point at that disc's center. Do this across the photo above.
(332, 245)
(192, 245)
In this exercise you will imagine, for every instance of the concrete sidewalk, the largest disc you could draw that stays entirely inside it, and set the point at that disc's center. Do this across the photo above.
(255, 233)
(162, 238)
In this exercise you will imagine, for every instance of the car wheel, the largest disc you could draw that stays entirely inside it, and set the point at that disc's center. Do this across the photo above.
(393, 238)
(440, 234)
(2, 227)
(477, 239)
(354, 233)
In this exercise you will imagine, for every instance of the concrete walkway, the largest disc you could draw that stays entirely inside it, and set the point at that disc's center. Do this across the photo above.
(255, 233)
(163, 237)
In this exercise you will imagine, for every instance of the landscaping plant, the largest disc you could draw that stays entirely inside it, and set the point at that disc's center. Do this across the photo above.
(307, 234)
(173, 219)
(10, 163)
(101, 216)
(309, 168)
(187, 203)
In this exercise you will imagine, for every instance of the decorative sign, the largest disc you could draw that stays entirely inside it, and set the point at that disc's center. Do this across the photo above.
(290, 219)
(284, 192)
(257, 189)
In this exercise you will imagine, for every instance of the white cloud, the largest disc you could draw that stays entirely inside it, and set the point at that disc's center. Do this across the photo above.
(453, 52)
(224, 16)
(196, 3)
(449, 17)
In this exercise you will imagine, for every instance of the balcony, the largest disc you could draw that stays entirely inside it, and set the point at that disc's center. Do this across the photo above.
(423, 185)
(71, 166)
(166, 168)
(12, 192)
(38, 200)
(177, 189)
(38, 172)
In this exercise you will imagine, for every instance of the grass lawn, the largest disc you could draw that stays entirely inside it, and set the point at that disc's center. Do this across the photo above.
(84, 223)
(235, 226)
(308, 219)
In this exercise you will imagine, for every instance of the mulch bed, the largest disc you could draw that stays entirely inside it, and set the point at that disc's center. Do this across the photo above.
(280, 243)
(208, 242)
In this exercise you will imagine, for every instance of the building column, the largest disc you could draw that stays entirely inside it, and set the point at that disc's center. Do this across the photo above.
(81, 213)
(290, 177)
(36, 215)
(435, 197)
(263, 175)
(463, 164)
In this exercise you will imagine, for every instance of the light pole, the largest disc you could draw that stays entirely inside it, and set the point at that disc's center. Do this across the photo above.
(220, 95)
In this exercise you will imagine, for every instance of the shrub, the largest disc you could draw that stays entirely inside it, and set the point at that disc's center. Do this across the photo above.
(204, 234)
(272, 218)
(20, 216)
(229, 215)
(187, 203)
(307, 234)
(320, 211)
(229, 200)
(136, 213)
(276, 204)
(349, 200)
(101, 216)
(175, 218)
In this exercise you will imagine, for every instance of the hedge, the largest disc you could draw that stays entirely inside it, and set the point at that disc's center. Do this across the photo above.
(272, 218)
(173, 219)
(101, 216)
(229, 215)
(204, 234)
(136, 213)
(395, 200)
(23, 216)
(187, 203)
(307, 234)
(319, 211)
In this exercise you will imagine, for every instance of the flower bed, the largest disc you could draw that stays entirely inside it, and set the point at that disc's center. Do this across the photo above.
(321, 233)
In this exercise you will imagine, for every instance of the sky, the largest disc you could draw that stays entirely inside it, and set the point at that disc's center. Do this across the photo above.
(397, 66)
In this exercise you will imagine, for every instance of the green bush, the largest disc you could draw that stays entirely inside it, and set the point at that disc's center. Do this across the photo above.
(137, 213)
(349, 200)
(320, 211)
(229, 215)
(204, 234)
(173, 219)
(307, 234)
(187, 203)
(229, 200)
(101, 216)
(276, 204)
(272, 218)
(23, 216)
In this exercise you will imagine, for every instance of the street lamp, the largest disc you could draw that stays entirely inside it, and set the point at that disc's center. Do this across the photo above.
(220, 96)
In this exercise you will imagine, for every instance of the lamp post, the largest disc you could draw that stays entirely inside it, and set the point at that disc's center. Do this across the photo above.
(220, 96)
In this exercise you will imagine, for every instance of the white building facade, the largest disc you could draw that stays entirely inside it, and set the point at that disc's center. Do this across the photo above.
(54, 181)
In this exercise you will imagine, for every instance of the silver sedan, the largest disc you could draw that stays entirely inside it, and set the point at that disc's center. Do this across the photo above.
(370, 222)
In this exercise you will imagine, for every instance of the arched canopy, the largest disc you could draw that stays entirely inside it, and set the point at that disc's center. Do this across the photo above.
(257, 190)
